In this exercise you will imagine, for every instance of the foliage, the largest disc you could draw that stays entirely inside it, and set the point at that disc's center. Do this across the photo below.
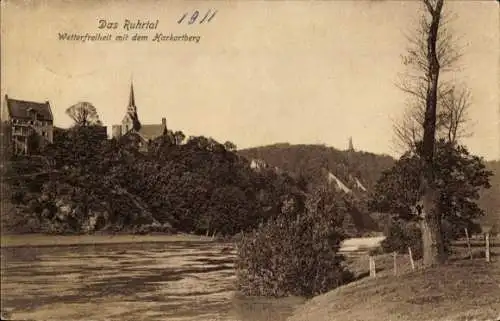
(489, 200)
(459, 176)
(295, 255)
(311, 161)
(310, 165)
(84, 182)
(83, 114)
(401, 235)
(33, 142)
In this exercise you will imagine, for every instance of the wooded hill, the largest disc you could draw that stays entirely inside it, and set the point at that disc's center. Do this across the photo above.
(352, 173)
(84, 183)
(313, 162)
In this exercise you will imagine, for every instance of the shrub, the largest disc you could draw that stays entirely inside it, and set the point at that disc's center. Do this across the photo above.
(294, 255)
(400, 235)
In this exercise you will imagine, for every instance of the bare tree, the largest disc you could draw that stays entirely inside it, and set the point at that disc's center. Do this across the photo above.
(431, 52)
(452, 101)
(437, 58)
(452, 119)
(83, 114)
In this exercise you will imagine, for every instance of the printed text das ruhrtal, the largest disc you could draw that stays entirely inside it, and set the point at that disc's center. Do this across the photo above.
(129, 24)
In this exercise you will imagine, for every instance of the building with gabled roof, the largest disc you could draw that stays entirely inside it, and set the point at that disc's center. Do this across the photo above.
(27, 125)
(131, 125)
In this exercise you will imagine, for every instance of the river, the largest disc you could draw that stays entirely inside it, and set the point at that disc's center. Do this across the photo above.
(177, 280)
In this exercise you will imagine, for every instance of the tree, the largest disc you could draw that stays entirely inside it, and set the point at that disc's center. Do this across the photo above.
(77, 154)
(34, 143)
(230, 146)
(179, 137)
(83, 114)
(452, 100)
(76, 148)
(431, 52)
(458, 179)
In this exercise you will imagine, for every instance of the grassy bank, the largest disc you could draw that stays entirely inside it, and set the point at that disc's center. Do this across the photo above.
(38, 240)
(461, 290)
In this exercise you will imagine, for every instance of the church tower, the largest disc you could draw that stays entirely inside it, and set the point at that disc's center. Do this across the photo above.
(131, 119)
(132, 108)
(351, 146)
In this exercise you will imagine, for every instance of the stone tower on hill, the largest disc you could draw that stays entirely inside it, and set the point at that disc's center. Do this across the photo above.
(351, 146)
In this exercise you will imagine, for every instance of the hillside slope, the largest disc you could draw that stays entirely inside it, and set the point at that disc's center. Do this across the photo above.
(357, 170)
(351, 173)
(461, 290)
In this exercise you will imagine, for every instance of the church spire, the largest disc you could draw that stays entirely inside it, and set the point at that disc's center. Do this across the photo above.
(351, 146)
(131, 100)
(132, 109)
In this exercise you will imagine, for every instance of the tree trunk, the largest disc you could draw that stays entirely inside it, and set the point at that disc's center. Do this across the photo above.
(430, 225)
(432, 238)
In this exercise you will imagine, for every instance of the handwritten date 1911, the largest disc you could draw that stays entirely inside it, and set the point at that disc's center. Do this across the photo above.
(193, 17)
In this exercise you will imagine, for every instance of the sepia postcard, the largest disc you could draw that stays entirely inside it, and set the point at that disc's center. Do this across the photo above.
(250, 160)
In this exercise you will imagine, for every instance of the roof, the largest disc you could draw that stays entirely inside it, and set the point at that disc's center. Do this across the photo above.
(151, 131)
(21, 109)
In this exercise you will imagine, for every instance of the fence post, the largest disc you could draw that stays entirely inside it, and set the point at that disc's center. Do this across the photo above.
(373, 271)
(468, 242)
(487, 253)
(394, 254)
(411, 258)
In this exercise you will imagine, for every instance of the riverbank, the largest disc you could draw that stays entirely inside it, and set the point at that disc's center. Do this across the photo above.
(43, 240)
(39, 240)
(463, 289)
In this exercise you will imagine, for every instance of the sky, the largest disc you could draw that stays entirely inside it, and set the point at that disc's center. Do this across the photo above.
(303, 72)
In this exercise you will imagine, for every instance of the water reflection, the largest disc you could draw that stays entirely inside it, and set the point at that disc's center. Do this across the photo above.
(155, 281)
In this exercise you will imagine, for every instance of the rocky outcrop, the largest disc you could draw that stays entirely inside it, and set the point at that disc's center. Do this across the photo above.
(63, 214)
(339, 185)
